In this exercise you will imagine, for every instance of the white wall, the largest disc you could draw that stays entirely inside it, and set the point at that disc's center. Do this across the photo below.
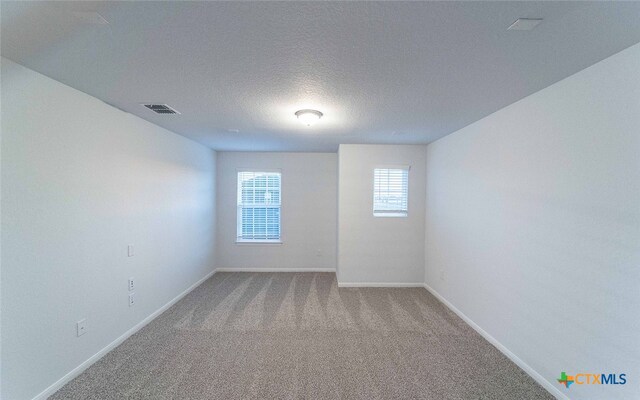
(308, 216)
(80, 181)
(379, 250)
(0, 230)
(533, 225)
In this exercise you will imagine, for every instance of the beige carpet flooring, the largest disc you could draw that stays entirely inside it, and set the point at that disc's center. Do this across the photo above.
(297, 336)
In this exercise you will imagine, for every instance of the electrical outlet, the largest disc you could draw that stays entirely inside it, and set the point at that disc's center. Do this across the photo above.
(130, 250)
(442, 277)
(318, 253)
(81, 327)
(132, 284)
(132, 299)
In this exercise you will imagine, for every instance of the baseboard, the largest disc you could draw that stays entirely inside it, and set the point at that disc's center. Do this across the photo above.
(510, 355)
(379, 284)
(80, 368)
(276, 270)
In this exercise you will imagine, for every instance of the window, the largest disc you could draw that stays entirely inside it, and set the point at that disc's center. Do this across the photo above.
(258, 206)
(390, 191)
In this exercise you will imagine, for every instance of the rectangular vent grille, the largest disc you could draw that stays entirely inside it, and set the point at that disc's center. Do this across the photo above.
(161, 109)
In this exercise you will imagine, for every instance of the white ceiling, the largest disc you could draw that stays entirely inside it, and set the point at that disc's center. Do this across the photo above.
(380, 72)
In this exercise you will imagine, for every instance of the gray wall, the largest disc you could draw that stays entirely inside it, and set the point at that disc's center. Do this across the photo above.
(80, 181)
(533, 225)
(379, 250)
(308, 214)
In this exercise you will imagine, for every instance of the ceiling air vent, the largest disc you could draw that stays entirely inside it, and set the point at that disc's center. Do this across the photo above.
(161, 109)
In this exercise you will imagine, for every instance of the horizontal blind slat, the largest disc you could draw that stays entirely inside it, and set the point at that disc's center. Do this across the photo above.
(390, 190)
(259, 205)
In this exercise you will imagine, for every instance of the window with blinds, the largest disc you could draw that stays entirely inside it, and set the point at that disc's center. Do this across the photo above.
(258, 206)
(390, 192)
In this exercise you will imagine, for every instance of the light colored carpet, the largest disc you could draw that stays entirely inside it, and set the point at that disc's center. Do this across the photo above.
(296, 335)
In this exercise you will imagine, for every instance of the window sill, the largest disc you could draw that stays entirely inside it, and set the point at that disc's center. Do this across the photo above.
(258, 242)
(391, 214)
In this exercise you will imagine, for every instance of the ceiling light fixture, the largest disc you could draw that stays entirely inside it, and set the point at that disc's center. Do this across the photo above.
(308, 117)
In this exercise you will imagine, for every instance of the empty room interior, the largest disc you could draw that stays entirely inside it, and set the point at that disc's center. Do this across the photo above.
(319, 200)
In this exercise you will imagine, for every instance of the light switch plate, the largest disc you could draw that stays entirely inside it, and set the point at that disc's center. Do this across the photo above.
(81, 327)
(130, 250)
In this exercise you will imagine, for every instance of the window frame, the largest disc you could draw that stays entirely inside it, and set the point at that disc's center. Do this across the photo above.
(239, 240)
(390, 213)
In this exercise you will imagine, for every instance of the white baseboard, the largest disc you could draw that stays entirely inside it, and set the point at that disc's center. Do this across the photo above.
(80, 368)
(510, 355)
(276, 270)
(379, 284)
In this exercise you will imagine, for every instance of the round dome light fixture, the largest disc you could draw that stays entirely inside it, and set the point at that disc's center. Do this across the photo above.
(308, 117)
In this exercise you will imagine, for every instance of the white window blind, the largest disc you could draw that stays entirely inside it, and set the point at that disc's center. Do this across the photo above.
(390, 192)
(258, 206)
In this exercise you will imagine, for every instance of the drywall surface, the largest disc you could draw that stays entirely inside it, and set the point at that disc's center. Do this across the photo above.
(379, 250)
(308, 213)
(80, 182)
(533, 226)
(0, 236)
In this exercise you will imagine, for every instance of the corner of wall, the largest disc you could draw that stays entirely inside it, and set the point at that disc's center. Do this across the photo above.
(426, 213)
(1, 62)
(338, 215)
(214, 267)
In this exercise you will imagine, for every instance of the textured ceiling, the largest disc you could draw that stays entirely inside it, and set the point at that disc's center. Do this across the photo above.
(380, 72)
